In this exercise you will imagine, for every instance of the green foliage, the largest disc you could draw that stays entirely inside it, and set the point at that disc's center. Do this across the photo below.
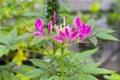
(106, 36)
(7, 73)
(9, 42)
(113, 76)
(92, 23)
(66, 65)
(74, 67)
(101, 33)
(36, 40)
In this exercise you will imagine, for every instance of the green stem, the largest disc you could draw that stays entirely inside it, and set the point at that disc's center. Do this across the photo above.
(54, 48)
(7, 59)
(62, 60)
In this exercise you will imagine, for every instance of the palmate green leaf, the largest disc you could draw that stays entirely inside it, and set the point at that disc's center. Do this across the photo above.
(44, 77)
(91, 69)
(9, 42)
(72, 77)
(40, 63)
(106, 36)
(113, 76)
(12, 39)
(85, 54)
(3, 39)
(92, 23)
(7, 76)
(87, 77)
(94, 41)
(54, 78)
(24, 36)
(34, 73)
(23, 69)
(3, 50)
(104, 30)
(12, 36)
(36, 40)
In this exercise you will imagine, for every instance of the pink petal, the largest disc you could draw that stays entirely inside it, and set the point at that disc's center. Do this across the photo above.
(57, 38)
(57, 29)
(73, 28)
(62, 34)
(74, 36)
(49, 27)
(78, 21)
(88, 30)
(81, 36)
(36, 33)
(16, 67)
(67, 33)
(54, 16)
(39, 25)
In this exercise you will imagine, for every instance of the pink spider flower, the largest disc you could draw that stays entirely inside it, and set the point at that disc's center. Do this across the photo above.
(65, 35)
(39, 25)
(84, 30)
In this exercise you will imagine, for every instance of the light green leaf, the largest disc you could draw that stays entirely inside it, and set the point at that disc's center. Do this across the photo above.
(54, 78)
(87, 77)
(3, 50)
(3, 39)
(44, 77)
(94, 40)
(40, 63)
(106, 36)
(34, 73)
(90, 69)
(85, 54)
(36, 40)
(104, 30)
(92, 23)
(12, 36)
(24, 36)
(7, 76)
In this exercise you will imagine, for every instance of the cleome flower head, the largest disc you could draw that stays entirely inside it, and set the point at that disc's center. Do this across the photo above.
(39, 25)
(83, 29)
(65, 35)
